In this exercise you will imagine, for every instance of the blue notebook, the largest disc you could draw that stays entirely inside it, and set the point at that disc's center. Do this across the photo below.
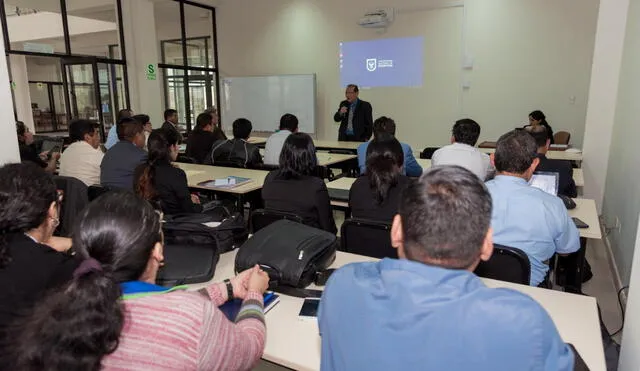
(232, 308)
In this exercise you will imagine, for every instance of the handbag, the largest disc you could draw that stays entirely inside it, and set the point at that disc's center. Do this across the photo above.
(291, 253)
(191, 229)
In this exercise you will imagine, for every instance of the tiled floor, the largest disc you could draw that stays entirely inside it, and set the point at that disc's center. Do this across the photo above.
(600, 286)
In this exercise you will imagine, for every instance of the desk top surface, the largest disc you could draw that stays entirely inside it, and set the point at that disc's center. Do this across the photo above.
(201, 173)
(295, 343)
(334, 144)
(569, 154)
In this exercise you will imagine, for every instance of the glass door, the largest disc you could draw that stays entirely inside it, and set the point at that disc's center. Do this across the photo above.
(81, 80)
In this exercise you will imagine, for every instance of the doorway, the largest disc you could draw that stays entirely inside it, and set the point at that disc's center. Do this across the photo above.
(48, 106)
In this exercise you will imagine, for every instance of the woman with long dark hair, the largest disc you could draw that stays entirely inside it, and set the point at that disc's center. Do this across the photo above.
(113, 316)
(158, 181)
(30, 261)
(295, 188)
(536, 118)
(376, 195)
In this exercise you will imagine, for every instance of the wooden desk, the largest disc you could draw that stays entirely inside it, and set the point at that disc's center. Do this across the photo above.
(587, 212)
(328, 145)
(425, 163)
(295, 343)
(201, 173)
(568, 155)
(328, 159)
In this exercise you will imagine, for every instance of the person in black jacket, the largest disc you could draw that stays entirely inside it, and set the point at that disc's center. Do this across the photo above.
(171, 121)
(236, 152)
(202, 138)
(566, 184)
(30, 261)
(293, 188)
(376, 195)
(355, 117)
(158, 181)
(28, 151)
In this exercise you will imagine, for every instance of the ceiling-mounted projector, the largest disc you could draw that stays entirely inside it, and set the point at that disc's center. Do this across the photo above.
(380, 18)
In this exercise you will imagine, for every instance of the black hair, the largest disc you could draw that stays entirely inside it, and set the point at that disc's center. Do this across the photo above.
(354, 86)
(538, 116)
(384, 165)
(298, 156)
(142, 118)
(242, 128)
(21, 128)
(74, 327)
(79, 128)
(384, 124)
(539, 134)
(515, 152)
(158, 145)
(445, 217)
(289, 122)
(26, 193)
(466, 131)
(123, 113)
(203, 120)
(128, 128)
(168, 113)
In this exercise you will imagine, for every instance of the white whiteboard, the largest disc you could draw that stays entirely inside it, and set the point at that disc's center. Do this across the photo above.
(264, 99)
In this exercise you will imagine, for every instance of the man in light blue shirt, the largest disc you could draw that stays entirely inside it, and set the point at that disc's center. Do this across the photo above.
(427, 310)
(112, 138)
(387, 125)
(273, 147)
(525, 217)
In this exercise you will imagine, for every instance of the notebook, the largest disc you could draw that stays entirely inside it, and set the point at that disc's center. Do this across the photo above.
(232, 308)
(228, 182)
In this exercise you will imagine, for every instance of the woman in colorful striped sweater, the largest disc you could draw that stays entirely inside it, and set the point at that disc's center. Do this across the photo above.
(112, 316)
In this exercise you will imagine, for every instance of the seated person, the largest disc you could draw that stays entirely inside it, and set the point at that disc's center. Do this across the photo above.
(28, 151)
(525, 217)
(376, 195)
(171, 121)
(288, 125)
(462, 150)
(215, 122)
(294, 188)
(122, 320)
(82, 159)
(112, 138)
(30, 261)
(388, 126)
(236, 152)
(145, 120)
(119, 163)
(566, 184)
(537, 118)
(158, 181)
(427, 310)
(202, 137)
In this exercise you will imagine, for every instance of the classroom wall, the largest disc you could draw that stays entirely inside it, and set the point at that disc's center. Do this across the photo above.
(622, 190)
(527, 54)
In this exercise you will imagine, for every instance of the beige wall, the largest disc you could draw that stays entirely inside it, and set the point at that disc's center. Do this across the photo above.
(527, 54)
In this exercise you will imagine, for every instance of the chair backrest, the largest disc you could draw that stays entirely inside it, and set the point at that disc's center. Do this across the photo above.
(506, 264)
(74, 201)
(427, 153)
(261, 218)
(367, 237)
(562, 137)
(96, 190)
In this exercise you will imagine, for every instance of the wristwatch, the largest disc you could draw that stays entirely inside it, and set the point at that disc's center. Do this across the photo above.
(227, 282)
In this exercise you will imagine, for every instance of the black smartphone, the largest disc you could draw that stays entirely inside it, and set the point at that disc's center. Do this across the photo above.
(579, 223)
(309, 308)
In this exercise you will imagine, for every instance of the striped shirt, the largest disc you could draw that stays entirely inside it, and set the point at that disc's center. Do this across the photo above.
(183, 330)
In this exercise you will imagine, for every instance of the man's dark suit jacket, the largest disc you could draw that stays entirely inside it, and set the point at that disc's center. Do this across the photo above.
(362, 121)
(566, 185)
(169, 126)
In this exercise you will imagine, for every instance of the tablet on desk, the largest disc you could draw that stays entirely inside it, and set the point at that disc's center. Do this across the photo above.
(228, 182)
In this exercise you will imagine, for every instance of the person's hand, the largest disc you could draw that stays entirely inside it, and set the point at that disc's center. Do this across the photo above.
(44, 155)
(343, 110)
(259, 281)
(241, 282)
(55, 156)
(195, 199)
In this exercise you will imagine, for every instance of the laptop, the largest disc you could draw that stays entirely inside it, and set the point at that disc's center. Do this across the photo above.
(546, 181)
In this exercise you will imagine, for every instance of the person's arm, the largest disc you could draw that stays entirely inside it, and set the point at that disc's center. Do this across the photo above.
(181, 189)
(368, 123)
(325, 213)
(362, 158)
(567, 239)
(571, 189)
(51, 164)
(338, 116)
(411, 166)
(256, 158)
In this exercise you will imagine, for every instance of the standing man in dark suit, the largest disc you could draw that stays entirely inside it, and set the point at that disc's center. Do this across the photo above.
(355, 117)
(566, 184)
(171, 122)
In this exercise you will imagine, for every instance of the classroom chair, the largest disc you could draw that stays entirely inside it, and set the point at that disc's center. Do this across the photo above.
(562, 137)
(506, 264)
(261, 218)
(368, 238)
(427, 153)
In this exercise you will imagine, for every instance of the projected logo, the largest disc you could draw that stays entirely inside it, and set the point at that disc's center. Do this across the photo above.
(372, 64)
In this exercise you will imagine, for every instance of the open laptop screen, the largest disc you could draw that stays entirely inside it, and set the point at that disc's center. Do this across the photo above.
(546, 181)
